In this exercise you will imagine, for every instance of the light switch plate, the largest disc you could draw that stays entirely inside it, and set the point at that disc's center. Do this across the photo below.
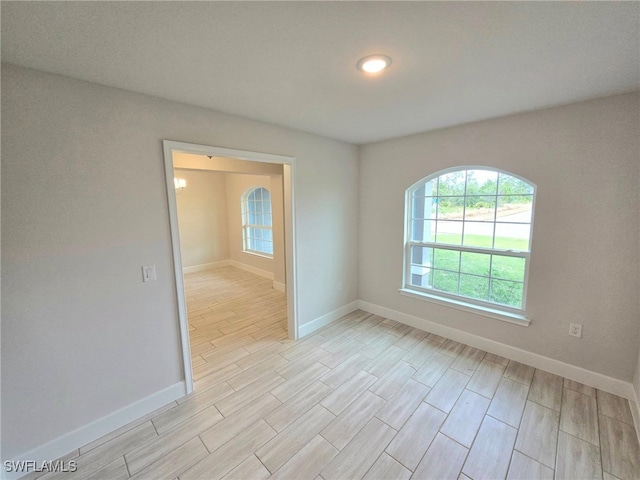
(148, 273)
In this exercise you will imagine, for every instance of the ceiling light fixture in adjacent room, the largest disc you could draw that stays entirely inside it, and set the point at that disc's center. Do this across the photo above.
(373, 63)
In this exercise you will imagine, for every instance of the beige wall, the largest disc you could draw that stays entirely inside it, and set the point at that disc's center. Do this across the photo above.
(202, 218)
(84, 206)
(585, 252)
(237, 185)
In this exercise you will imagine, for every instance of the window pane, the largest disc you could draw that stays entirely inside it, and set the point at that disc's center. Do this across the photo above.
(267, 247)
(423, 230)
(445, 281)
(450, 208)
(421, 277)
(449, 232)
(508, 185)
(452, 183)
(474, 287)
(506, 293)
(512, 208)
(508, 268)
(510, 236)
(258, 234)
(480, 208)
(425, 207)
(422, 256)
(257, 194)
(267, 235)
(478, 234)
(266, 206)
(481, 182)
(446, 259)
(475, 263)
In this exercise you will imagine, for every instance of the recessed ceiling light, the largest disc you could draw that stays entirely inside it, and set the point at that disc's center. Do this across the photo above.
(373, 63)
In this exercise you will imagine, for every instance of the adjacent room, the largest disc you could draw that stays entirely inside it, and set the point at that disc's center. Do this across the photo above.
(320, 240)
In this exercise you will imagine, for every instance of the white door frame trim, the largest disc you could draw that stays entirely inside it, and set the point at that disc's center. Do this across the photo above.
(288, 166)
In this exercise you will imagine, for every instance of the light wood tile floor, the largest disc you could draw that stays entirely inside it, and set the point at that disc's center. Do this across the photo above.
(365, 397)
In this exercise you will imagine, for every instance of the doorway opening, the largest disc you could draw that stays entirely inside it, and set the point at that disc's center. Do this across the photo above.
(202, 157)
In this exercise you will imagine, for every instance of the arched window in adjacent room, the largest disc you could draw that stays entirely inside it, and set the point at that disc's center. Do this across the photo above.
(256, 221)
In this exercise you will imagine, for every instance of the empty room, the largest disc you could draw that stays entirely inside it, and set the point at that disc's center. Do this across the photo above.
(320, 240)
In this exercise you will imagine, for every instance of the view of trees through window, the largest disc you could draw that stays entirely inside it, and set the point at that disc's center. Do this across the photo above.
(469, 236)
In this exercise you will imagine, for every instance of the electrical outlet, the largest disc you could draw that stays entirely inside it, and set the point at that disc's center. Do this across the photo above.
(575, 330)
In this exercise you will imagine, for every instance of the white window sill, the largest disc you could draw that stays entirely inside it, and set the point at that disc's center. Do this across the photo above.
(258, 254)
(509, 317)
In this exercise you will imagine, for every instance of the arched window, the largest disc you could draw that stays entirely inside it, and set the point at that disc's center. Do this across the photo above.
(256, 221)
(468, 239)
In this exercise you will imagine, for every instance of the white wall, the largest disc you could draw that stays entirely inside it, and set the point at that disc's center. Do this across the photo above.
(202, 218)
(585, 251)
(82, 336)
(237, 185)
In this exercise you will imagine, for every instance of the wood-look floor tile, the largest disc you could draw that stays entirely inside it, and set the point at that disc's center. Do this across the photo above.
(154, 450)
(346, 425)
(109, 451)
(451, 348)
(216, 377)
(116, 470)
(392, 381)
(175, 462)
(443, 460)
(508, 402)
(465, 418)
(237, 422)
(433, 369)
(387, 468)
(546, 390)
(538, 434)
(422, 352)
(519, 372)
(577, 459)
(342, 397)
(256, 372)
(308, 462)
(411, 339)
(491, 451)
(385, 361)
(413, 440)
(293, 385)
(287, 443)
(608, 476)
(614, 406)
(491, 357)
(579, 416)
(620, 449)
(486, 378)
(525, 468)
(345, 370)
(246, 395)
(468, 360)
(221, 461)
(251, 468)
(402, 405)
(297, 405)
(579, 387)
(116, 433)
(219, 362)
(294, 367)
(360, 454)
(446, 391)
(377, 346)
(195, 404)
(343, 353)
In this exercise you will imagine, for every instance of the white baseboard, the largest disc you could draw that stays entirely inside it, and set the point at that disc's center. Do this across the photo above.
(327, 318)
(206, 266)
(249, 268)
(281, 287)
(81, 436)
(572, 372)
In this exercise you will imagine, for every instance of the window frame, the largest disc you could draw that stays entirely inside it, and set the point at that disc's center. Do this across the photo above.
(486, 308)
(247, 227)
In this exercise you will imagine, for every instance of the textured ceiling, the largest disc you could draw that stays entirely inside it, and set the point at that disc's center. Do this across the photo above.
(293, 63)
